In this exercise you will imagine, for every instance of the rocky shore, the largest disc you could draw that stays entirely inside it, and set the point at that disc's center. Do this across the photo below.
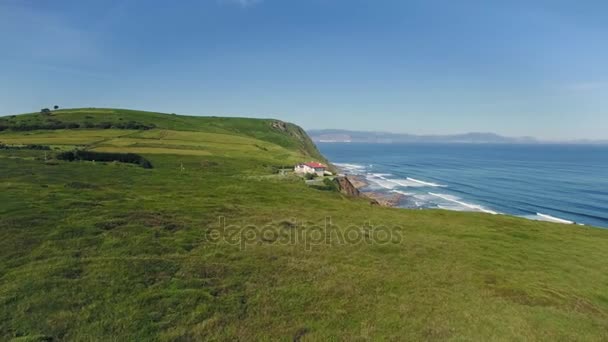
(378, 198)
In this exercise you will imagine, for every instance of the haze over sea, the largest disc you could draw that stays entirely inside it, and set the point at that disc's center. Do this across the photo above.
(559, 183)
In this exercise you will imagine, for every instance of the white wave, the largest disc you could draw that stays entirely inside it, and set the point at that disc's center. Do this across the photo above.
(352, 168)
(402, 193)
(545, 217)
(457, 200)
(381, 182)
(424, 183)
(380, 175)
(407, 183)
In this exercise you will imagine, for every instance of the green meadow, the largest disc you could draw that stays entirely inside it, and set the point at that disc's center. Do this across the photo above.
(213, 243)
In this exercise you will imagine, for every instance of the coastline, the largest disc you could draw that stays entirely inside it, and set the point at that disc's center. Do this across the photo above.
(365, 187)
(378, 198)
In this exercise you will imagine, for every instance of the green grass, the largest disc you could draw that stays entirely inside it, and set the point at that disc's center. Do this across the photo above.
(109, 251)
(289, 136)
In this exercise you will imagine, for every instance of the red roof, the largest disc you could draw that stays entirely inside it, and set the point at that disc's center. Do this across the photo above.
(315, 165)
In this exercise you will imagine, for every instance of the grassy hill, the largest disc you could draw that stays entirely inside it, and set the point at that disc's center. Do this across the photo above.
(122, 128)
(212, 244)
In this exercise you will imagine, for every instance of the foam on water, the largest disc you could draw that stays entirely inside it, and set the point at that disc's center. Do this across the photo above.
(561, 185)
(391, 183)
(402, 193)
(356, 168)
(412, 183)
(545, 217)
(471, 207)
(381, 181)
(423, 182)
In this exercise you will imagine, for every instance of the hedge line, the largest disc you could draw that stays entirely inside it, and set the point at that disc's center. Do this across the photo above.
(25, 147)
(73, 125)
(130, 158)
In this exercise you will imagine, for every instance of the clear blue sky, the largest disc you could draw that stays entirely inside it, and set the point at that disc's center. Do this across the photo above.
(512, 67)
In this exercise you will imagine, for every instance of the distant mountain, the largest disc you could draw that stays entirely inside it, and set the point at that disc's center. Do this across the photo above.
(338, 135)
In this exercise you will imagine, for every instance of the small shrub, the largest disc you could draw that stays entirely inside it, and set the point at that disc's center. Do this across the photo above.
(310, 176)
(331, 184)
(26, 147)
(37, 147)
(104, 125)
(328, 185)
(53, 124)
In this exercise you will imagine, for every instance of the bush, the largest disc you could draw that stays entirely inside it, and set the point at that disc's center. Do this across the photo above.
(310, 176)
(328, 185)
(331, 184)
(104, 125)
(53, 124)
(133, 125)
(26, 147)
(130, 158)
(37, 147)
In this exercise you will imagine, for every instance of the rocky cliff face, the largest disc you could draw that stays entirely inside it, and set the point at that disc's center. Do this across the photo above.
(347, 188)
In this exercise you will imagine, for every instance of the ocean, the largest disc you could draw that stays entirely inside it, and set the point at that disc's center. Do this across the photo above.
(559, 183)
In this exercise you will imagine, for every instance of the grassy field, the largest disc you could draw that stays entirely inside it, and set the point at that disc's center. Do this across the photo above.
(286, 135)
(210, 244)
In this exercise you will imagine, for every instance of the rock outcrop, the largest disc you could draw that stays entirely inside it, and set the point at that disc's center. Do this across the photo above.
(347, 188)
(350, 187)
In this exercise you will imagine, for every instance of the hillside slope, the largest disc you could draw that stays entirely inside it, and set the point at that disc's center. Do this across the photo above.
(277, 132)
(211, 244)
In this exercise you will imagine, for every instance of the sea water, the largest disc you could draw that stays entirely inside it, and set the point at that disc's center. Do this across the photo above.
(558, 183)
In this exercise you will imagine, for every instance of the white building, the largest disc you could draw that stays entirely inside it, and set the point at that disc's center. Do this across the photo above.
(311, 167)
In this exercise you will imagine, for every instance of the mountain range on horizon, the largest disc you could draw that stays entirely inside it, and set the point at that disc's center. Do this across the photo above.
(342, 135)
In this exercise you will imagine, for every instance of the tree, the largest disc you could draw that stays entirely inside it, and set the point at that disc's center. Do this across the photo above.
(45, 111)
(55, 107)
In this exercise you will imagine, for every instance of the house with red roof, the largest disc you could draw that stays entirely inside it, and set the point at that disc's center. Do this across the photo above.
(311, 167)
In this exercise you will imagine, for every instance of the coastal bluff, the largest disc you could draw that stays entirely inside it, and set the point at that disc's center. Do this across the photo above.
(351, 185)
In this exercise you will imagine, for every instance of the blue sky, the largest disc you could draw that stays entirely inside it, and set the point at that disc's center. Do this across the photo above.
(513, 67)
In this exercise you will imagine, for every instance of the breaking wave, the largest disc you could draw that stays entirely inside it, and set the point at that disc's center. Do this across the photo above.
(457, 200)
(423, 182)
(354, 168)
(391, 183)
(545, 217)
